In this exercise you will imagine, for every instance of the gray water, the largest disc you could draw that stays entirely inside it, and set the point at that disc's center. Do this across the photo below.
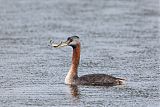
(118, 37)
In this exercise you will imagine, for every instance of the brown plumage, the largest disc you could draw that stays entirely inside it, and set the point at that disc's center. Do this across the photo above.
(99, 79)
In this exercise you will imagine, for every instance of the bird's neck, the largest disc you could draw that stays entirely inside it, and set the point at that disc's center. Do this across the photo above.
(73, 74)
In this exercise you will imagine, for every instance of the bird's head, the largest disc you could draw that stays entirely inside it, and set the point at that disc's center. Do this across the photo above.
(72, 41)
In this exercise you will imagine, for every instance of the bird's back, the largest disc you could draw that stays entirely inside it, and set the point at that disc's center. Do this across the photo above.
(99, 79)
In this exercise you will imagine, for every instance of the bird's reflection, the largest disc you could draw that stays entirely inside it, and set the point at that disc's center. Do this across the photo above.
(74, 90)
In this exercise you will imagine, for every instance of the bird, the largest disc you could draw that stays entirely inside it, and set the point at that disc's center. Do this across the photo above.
(72, 77)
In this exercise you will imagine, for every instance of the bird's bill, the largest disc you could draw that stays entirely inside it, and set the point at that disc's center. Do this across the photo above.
(59, 45)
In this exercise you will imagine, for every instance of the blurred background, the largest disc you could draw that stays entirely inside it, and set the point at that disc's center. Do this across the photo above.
(118, 37)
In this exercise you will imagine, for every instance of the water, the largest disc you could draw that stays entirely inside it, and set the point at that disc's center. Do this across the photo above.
(118, 37)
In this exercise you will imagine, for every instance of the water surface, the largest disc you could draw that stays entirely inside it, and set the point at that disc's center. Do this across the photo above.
(118, 37)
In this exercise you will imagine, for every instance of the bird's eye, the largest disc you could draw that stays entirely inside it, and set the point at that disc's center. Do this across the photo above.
(70, 39)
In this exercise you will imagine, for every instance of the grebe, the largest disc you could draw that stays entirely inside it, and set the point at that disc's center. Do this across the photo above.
(90, 79)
